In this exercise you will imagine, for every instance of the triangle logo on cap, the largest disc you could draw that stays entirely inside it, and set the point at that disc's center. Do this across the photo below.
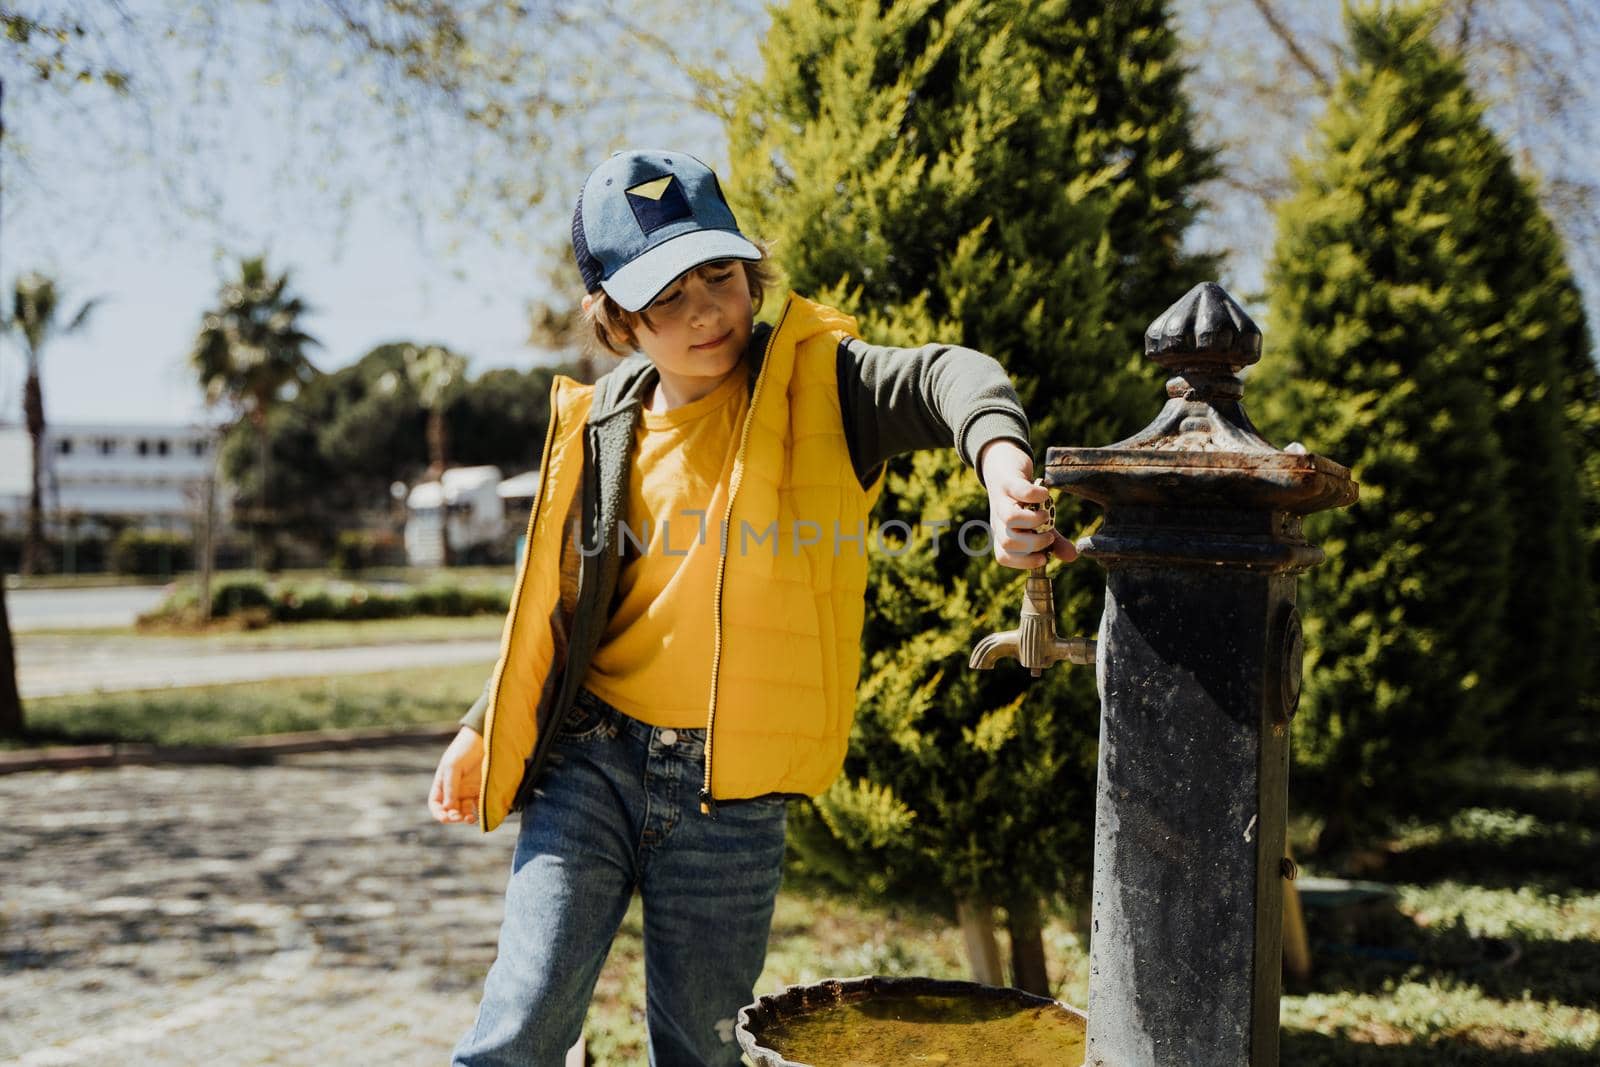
(658, 202)
(652, 190)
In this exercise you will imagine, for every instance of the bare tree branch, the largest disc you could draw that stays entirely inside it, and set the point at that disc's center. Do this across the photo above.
(1464, 32)
(1281, 30)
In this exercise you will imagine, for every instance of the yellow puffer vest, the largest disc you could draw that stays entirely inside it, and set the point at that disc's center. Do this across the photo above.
(789, 603)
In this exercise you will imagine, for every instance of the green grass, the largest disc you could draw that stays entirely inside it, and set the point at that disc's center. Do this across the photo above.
(208, 715)
(487, 575)
(419, 576)
(1499, 914)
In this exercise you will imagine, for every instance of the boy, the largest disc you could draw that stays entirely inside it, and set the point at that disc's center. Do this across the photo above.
(665, 685)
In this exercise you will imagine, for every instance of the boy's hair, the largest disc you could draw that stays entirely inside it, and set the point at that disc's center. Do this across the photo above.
(614, 327)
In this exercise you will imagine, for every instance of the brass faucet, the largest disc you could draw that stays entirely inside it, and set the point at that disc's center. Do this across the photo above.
(1034, 643)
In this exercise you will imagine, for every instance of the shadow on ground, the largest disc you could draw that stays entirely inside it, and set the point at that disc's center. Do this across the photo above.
(1317, 1050)
(1492, 955)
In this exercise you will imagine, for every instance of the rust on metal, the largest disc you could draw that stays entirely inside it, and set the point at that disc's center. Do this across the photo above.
(1202, 450)
(1200, 485)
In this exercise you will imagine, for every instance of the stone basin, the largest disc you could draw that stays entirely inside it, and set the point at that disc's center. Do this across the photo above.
(903, 1022)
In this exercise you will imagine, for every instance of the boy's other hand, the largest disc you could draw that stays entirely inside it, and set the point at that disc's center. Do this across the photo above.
(1008, 475)
(458, 781)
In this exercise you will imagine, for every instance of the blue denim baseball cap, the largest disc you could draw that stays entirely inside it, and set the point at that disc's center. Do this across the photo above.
(645, 216)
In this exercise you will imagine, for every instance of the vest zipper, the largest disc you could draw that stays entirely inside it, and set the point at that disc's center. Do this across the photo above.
(516, 598)
(708, 803)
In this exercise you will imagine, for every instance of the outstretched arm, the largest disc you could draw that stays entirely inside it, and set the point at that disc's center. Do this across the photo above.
(896, 400)
(903, 399)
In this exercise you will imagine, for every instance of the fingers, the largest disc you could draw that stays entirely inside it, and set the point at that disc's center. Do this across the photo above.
(447, 800)
(1020, 543)
(436, 806)
(1024, 491)
(463, 809)
(1020, 531)
(1022, 546)
(1064, 549)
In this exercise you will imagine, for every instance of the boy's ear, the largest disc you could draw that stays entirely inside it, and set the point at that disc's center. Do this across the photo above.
(588, 302)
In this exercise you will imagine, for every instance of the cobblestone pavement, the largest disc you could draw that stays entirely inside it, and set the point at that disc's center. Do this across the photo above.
(303, 912)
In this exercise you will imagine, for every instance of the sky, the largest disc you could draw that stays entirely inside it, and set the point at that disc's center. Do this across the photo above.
(374, 286)
(244, 143)
(255, 167)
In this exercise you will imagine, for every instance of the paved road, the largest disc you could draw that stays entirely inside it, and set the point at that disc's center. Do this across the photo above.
(52, 665)
(76, 609)
(306, 912)
(81, 609)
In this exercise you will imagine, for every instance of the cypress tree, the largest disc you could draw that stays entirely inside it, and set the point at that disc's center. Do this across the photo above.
(1411, 346)
(1530, 330)
(1581, 425)
(1015, 177)
(1536, 345)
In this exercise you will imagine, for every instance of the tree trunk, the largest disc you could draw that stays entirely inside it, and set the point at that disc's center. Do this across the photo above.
(33, 540)
(1028, 970)
(258, 528)
(977, 932)
(436, 465)
(208, 542)
(1338, 834)
(437, 443)
(11, 723)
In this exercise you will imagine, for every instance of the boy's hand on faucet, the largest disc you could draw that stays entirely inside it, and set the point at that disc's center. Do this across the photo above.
(1008, 475)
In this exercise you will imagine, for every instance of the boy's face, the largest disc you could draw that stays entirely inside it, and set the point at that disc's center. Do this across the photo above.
(698, 327)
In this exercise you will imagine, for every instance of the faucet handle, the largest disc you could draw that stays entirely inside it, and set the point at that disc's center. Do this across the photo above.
(1034, 643)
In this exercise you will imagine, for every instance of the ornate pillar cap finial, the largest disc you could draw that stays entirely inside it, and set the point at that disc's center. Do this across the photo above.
(1205, 327)
(1201, 454)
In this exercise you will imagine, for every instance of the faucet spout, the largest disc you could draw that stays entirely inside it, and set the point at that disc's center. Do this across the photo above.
(1033, 643)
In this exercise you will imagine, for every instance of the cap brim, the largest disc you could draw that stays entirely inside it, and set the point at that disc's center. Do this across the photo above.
(641, 281)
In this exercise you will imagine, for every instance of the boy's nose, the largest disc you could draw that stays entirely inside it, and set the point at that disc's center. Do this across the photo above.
(703, 308)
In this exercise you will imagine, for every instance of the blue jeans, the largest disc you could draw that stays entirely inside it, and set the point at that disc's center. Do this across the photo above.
(616, 809)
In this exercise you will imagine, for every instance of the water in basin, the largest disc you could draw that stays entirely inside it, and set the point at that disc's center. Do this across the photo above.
(897, 1031)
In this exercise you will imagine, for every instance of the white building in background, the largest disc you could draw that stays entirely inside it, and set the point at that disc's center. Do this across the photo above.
(480, 507)
(151, 475)
(16, 468)
(463, 501)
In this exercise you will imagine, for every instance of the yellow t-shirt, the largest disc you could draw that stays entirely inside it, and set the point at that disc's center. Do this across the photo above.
(654, 660)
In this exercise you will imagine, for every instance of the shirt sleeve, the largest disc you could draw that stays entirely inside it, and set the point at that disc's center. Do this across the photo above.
(896, 400)
(479, 712)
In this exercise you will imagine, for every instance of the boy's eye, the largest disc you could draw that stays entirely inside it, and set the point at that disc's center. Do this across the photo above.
(718, 279)
(663, 301)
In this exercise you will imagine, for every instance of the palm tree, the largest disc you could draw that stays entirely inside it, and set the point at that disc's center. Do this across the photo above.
(11, 723)
(436, 376)
(249, 352)
(35, 305)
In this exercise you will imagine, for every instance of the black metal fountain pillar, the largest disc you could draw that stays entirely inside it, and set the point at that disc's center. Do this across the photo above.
(1199, 672)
